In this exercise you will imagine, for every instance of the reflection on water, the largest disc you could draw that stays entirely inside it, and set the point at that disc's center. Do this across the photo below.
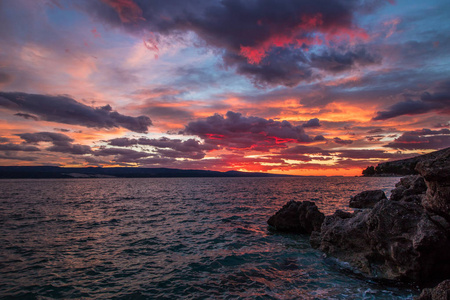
(170, 238)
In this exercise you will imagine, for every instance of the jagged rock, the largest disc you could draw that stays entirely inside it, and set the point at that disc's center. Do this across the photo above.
(436, 173)
(300, 217)
(367, 199)
(395, 240)
(409, 189)
(439, 292)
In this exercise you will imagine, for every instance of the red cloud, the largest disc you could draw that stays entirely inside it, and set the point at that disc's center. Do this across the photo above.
(128, 10)
(236, 132)
(301, 35)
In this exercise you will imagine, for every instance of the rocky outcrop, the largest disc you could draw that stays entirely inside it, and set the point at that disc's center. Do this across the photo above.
(300, 217)
(436, 173)
(394, 240)
(440, 292)
(367, 199)
(409, 189)
(404, 238)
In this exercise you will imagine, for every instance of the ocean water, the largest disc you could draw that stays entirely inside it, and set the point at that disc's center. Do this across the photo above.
(182, 238)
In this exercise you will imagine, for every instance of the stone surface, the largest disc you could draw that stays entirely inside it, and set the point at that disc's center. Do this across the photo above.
(409, 189)
(395, 240)
(436, 173)
(404, 238)
(439, 292)
(300, 217)
(367, 199)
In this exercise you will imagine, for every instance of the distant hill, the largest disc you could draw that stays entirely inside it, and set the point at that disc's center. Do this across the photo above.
(60, 172)
(400, 167)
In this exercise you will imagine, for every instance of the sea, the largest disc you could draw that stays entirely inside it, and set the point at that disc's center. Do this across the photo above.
(173, 238)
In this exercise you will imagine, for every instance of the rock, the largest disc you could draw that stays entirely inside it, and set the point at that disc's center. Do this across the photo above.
(409, 189)
(439, 292)
(300, 217)
(395, 240)
(436, 173)
(367, 199)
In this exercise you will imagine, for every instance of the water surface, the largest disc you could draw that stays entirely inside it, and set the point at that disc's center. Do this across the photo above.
(189, 238)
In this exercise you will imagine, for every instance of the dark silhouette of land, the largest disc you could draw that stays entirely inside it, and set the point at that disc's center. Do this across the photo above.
(401, 167)
(121, 172)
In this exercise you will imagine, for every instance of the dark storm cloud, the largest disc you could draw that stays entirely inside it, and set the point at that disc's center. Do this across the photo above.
(438, 100)
(37, 137)
(422, 139)
(18, 147)
(167, 112)
(70, 148)
(63, 109)
(375, 130)
(312, 123)
(27, 116)
(407, 107)
(122, 154)
(61, 142)
(284, 67)
(335, 61)
(259, 38)
(236, 131)
(340, 141)
(21, 158)
(319, 138)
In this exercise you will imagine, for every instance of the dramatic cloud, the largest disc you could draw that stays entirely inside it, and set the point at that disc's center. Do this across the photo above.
(35, 138)
(173, 148)
(61, 142)
(438, 100)
(340, 141)
(335, 61)
(422, 139)
(27, 116)
(168, 112)
(264, 41)
(17, 147)
(319, 138)
(238, 132)
(311, 81)
(312, 123)
(287, 69)
(63, 109)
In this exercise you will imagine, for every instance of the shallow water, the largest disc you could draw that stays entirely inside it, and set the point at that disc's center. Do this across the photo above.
(190, 238)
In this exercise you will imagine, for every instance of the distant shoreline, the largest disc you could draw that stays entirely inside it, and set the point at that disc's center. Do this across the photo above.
(50, 172)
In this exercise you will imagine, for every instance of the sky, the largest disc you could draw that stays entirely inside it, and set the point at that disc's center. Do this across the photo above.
(282, 86)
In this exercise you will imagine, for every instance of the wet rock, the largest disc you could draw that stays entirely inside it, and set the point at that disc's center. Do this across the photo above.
(367, 199)
(409, 189)
(300, 217)
(439, 292)
(436, 173)
(395, 240)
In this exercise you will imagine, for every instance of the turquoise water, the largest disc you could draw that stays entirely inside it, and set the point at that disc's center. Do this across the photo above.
(186, 238)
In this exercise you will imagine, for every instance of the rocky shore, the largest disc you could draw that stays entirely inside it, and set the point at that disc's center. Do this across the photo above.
(404, 238)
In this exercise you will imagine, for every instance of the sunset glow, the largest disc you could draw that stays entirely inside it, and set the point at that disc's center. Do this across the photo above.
(288, 87)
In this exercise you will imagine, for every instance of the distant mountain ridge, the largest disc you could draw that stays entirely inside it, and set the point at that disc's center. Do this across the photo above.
(400, 167)
(119, 172)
